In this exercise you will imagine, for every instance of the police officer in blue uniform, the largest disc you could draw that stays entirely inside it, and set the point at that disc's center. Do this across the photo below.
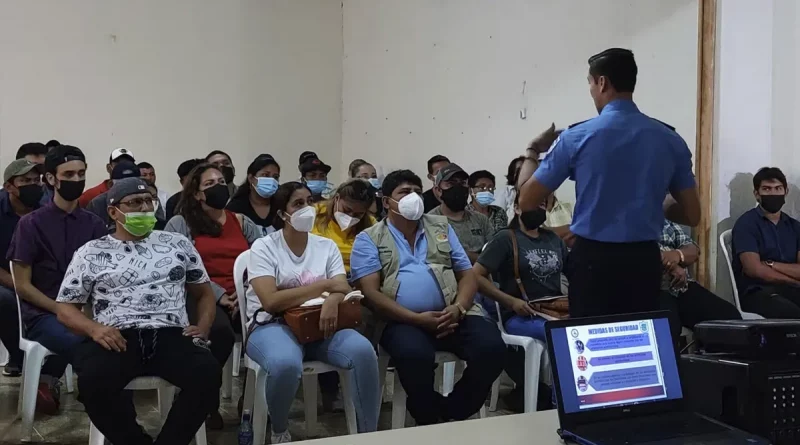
(623, 164)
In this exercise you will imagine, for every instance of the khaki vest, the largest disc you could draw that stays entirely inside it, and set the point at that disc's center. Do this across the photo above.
(438, 258)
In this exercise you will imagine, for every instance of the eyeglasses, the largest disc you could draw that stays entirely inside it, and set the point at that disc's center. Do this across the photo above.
(483, 189)
(141, 203)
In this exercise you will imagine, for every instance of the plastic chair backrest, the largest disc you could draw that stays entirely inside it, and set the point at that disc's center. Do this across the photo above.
(239, 269)
(725, 241)
(19, 307)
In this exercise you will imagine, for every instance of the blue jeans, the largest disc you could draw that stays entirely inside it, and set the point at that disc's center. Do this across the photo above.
(47, 330)
(277, 351)
(526, 327)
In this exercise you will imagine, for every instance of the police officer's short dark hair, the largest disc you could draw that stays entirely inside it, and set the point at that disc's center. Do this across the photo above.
(434, 160)
(618, 66)
(397, 178)
(769, 174)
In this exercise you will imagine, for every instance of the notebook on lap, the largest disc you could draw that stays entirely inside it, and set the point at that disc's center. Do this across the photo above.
(617, 383)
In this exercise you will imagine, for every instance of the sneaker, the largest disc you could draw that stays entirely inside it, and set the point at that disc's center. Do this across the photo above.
(283, 437)
(12, 370)
(47, 399)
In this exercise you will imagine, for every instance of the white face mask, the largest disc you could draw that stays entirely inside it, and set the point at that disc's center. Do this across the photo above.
(303, 219)
(344, 220)
(411, 207)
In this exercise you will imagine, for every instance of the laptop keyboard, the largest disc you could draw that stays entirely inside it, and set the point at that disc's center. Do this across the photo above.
(649, 429)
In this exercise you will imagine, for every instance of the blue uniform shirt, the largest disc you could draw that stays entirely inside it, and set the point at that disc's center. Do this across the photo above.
(418, 291)
(753, 232)
(623, 163)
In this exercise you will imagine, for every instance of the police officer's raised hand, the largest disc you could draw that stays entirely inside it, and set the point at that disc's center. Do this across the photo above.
(544, 140)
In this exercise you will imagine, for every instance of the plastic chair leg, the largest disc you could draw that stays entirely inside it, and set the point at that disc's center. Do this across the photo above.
(310, 389)
(533, 359)
(249, 391)
(448, 377)
(494, 395)
(260, 409)
(200, 436)
(32, 365)
(69, 377)
(95, 436)
(166, 395)
(398, 404)
(227, 379)
(383, 366)
(347, 399)
(237, 358)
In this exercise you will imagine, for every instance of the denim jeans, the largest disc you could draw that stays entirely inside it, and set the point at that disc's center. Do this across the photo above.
(277, 351)
(47, 330)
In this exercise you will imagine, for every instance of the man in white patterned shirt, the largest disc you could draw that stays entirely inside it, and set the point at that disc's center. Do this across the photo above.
(689, 301)
(136, 281)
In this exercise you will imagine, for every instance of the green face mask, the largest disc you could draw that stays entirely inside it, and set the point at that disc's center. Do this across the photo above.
(139, 223)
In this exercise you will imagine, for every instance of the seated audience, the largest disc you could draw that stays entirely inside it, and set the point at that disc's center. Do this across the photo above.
(435, 164)
(506, 197)
(690, 302)
(41, 249)
(481, 187)
(421, 299)
(137, 281)
(362, 169)
(32, 151)
(541, 256)
(22, 183)
(473, 229)
(766, 251)
(99, 205)
(224, 163)
(117, 156)
(286, 269)
(253, 199)
(148, 173)
(183, 172)
(52, 143)
(315, 177)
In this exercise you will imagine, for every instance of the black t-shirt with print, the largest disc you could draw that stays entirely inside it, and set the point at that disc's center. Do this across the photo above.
(241, 204)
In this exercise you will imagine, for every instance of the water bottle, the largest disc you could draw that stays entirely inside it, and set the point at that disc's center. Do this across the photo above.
(246, 429)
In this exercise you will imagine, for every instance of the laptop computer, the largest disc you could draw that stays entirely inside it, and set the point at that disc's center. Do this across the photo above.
(616, 380)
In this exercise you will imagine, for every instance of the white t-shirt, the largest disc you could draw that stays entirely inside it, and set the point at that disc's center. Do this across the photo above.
(270, 256)
(134, 284)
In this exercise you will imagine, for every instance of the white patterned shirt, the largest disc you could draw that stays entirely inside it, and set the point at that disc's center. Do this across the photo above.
(134, 284)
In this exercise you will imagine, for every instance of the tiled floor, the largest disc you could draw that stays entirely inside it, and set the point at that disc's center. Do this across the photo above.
(71, 426)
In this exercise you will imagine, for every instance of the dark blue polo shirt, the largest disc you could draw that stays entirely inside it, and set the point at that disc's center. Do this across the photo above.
(8, 223)
(753, 232)
(623, 162)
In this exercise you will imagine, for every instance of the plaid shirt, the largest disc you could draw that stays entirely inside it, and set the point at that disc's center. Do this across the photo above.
(672, 238)
(497, 216)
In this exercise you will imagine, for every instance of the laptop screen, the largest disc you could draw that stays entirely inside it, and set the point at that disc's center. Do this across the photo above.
(613, 364)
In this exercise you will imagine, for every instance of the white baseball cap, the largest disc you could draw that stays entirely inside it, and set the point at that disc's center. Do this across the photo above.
(120, 152)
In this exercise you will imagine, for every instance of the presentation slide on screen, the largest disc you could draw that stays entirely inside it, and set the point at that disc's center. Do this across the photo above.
(616, 363)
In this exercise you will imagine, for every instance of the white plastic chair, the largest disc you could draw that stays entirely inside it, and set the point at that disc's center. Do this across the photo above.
(535, 352)
(255, 394)
(445, 376)
(166, 394)
(32, 362)
(725, 241)
(237, 355)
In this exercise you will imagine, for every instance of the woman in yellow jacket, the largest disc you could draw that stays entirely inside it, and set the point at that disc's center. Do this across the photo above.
(340, 219)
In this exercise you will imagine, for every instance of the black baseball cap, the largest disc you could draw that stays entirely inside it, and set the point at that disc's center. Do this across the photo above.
(125, 170)
(314, 164)
(449, 172)
(61, 155)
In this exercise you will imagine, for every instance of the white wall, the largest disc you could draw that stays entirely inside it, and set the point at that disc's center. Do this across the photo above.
(423, 77)
(173, 79)
(757, 107)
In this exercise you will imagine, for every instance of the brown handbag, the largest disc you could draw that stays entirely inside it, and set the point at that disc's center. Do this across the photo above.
(549, 308)
(304, 321)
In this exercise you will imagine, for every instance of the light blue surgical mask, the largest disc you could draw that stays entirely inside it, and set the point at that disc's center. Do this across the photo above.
(317, 186)
(266, 187)
(375, 182)
(484, 198)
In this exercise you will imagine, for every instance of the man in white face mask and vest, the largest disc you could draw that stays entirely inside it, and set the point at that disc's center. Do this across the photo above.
(418, 282)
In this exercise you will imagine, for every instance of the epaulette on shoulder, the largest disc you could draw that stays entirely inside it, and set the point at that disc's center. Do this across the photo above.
(664, 124)
(578, 123)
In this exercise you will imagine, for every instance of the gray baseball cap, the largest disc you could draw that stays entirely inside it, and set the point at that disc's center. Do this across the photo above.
(20, 167)
(125, 187)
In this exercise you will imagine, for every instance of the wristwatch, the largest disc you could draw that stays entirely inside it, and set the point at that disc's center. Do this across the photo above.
(461, 309)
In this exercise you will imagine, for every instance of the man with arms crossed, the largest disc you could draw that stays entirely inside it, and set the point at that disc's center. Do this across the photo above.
(622, 162)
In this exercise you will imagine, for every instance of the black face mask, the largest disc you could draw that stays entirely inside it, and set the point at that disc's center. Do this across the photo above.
(227, 173)
(30, 195)
(533, 219)
(773, 203)
(70, 190)
(217, 196)
(455, 198)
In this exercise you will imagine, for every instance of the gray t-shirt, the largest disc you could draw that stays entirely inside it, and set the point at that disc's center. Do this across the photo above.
(473, 230)
(541, 262)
